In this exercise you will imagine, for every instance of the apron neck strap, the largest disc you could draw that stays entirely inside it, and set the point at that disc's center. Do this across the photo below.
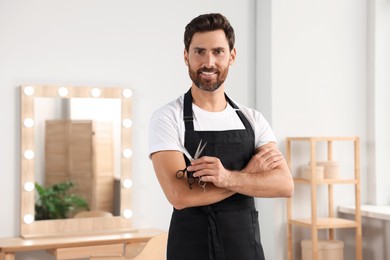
(188, 116)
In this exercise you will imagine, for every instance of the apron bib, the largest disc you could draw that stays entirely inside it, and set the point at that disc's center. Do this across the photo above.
(229, 229)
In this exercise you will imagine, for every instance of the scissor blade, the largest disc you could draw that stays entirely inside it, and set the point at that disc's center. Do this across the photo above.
(186, 153)
(199, 150)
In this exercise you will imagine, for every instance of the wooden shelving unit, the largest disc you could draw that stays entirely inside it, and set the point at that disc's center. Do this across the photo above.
(330, 222)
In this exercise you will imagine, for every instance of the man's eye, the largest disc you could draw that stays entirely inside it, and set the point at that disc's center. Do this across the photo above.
(199, 52)
(218, 52)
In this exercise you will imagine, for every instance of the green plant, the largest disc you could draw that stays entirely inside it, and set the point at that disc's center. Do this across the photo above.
(55, 202)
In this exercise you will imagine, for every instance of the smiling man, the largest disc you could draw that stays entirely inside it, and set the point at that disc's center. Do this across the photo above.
(209, 68)
(214, 215)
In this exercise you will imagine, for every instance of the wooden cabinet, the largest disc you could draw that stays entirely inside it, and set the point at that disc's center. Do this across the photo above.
(80, 246)
(329, 222)
(82, 151)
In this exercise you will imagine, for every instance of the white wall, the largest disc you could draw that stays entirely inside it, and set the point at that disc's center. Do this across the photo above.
(315, 65)
(307, 58)
(379, 106)
(319, 80)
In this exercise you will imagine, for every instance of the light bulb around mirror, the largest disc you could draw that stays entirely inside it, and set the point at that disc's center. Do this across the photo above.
(28, 122)
(127, 123)
(28, 218)
(63, 91)
(29, 186)
(127, 183)
(127, 93)
(29, 154)
(127, 153)
(127, 213)
(95, 92)
(29, 91)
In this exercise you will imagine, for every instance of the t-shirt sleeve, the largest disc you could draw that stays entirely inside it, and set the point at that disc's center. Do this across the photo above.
(263, 131)
(164, 131)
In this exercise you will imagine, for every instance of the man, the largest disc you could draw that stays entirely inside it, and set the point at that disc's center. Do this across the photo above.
(214, 217)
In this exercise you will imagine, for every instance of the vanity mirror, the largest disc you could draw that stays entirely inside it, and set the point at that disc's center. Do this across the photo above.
(41, 158)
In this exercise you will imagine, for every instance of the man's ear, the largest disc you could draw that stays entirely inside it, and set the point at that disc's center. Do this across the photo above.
(232, 56)
(186, 57)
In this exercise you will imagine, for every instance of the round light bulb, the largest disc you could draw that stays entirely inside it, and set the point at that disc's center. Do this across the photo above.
(127, 213)
(28, 122)
(29, 186)
(29, 154)
(127, 153)
(63, 91)
(29, 91)
(28, 219)
(127, 183)
(127, 93)
(95, 92)
(127, 123)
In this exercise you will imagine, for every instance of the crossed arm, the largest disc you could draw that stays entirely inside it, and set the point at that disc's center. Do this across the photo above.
(266, 175)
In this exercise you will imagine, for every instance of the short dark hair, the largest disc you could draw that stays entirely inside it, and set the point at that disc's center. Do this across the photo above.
(206, 23)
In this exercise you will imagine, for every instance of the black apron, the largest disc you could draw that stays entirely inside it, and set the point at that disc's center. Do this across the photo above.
(229, 229)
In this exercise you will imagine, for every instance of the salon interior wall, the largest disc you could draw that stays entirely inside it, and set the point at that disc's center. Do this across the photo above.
(309, 67)
(322, 72)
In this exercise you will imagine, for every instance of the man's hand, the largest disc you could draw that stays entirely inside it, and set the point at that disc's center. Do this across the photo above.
(267, 157)
(210, 169)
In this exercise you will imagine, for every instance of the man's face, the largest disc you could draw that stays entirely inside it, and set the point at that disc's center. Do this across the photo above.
(208, 59)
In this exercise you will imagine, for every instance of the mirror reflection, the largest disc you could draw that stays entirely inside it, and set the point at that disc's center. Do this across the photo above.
(77, 142)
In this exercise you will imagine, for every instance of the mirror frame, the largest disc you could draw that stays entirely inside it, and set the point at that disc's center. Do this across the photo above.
(30, 228)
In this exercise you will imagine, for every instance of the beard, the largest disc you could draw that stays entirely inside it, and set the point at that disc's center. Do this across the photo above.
(208, 84)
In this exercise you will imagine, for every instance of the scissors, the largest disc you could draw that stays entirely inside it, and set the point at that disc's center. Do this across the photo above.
(190, 178)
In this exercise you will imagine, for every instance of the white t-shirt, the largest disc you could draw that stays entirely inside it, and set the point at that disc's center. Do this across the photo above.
(166, 129)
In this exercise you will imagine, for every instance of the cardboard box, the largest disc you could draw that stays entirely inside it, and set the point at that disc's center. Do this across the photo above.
(327, 250)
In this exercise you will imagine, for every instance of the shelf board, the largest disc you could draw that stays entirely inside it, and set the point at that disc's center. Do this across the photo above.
(325, 223)
(326, 181)
(321, 138)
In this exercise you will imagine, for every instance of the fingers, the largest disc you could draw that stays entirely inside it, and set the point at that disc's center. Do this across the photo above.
(204, 164)
(268, 153)
(267, 158)
(210, 169)
(273, 160)
(204, 159)
(273, 164)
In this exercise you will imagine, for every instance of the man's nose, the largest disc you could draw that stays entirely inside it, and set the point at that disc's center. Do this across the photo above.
(209, 60)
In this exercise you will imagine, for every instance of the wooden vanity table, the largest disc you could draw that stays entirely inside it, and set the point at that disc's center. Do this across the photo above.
(78, 246)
